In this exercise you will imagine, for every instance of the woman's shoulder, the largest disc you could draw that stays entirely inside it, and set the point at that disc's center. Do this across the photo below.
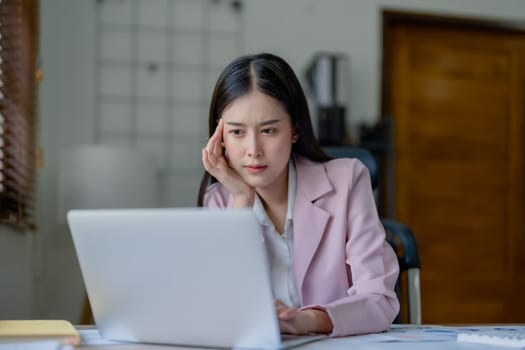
(216, 195)
(336, 165)
(346, 172)
(347, 164)
(339, 173)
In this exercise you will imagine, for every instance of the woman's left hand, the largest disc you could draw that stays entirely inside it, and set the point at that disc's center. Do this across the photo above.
(300, 322)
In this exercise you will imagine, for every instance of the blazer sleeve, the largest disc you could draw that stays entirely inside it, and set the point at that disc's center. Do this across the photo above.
(216, 196)
(371, 304)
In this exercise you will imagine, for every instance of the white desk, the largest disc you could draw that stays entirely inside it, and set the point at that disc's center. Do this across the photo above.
(402, 337)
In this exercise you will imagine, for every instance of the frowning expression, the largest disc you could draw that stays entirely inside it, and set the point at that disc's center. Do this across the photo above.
(258, 136)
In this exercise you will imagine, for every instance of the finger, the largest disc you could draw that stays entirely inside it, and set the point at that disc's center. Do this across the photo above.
(288, 327)
(214, 138)
(217, 134)
(211, 147)
(220, 144)
(283, 310)
(285, 327)
(288, 314)
(205, 160)
(210, 163)
(279, 305)
(220, 126)
(217, 150)
(218, 129)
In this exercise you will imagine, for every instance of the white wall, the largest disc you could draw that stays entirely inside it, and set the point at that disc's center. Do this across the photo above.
(295, 29)
(66, 118)
(39, 275)
(16, 274)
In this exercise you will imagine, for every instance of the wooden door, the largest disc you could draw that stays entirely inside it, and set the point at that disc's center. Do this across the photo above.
(457, 95)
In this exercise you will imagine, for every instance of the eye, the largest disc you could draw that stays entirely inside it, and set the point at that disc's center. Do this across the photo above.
(235, 132)
(268, 131)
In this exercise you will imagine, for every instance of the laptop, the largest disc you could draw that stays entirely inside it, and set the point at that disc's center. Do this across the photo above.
(185, 276)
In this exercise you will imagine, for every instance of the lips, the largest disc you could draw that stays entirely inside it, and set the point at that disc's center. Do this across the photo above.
(255, 168)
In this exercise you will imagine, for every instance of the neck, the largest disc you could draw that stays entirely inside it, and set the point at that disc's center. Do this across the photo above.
(275, 201)
(276, 193)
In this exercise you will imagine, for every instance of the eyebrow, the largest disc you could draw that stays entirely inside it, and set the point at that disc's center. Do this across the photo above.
(268, 122)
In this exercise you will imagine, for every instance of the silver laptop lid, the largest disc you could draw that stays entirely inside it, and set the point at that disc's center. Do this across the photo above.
(177, 276)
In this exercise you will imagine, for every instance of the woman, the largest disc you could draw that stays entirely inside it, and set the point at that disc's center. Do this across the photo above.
(331, 268)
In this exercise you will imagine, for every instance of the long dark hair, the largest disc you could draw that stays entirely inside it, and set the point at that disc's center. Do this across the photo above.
(272, 76)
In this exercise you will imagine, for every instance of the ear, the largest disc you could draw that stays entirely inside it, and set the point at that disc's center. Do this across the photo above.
(295, 135)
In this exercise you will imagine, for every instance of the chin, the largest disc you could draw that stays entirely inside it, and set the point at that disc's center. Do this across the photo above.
(256, 183)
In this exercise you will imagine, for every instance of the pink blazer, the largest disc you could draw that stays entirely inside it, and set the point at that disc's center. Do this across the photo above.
(342, 263)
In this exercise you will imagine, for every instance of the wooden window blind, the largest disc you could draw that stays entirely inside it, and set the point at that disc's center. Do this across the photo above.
(18, 54)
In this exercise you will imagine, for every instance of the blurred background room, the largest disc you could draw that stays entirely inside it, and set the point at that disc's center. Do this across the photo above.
(433, 88)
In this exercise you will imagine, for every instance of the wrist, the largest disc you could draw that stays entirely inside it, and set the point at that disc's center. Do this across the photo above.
(320, 322)
(243, 201)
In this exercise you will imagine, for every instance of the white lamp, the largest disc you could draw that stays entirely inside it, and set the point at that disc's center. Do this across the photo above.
(97, 177)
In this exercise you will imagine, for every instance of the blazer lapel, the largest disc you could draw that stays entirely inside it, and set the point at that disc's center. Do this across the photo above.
(309, 220)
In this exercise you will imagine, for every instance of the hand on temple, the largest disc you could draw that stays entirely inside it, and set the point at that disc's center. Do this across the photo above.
(216, 163)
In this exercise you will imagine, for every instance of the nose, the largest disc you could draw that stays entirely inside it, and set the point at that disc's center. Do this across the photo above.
(254, 147)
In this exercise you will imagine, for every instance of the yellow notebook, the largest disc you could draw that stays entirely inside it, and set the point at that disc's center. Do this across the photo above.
(48, 329)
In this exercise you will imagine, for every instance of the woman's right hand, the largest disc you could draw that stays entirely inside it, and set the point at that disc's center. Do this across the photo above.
(218, 166)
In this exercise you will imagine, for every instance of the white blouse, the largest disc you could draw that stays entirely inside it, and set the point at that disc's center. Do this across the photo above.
(280, 247)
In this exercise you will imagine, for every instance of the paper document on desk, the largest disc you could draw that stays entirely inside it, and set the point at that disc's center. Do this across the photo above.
(407, 337)
(417, 333)
(93, 337)
(431, 333)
